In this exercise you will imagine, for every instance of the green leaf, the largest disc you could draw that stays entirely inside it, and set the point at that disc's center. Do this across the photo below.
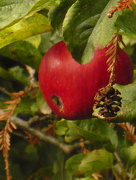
(99, 133)
(20, 75)
(128, 110)
(43, 4)
(27, 106)
(41, 172)
(126, 23)
(42, 105)
(32, 152)
(34, 40)
(13, 10)
(56, 17)
(25, 28)
(47, 40)
(89, 163)
(79, 23)
(96, 131)
(6, 75)
(95, 161)
(102, 32)
(72, 164)
(128, 154)
(84, 26)
(61, 127)
(23, 52)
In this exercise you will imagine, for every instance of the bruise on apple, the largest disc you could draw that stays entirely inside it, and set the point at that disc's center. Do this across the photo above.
(58, 102)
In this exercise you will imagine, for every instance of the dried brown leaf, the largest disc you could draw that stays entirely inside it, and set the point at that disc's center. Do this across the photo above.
(96, 175)
(129, 131)
(19, 94)
(4, 116)
(8, 111)
(110, 50)
(13, 125)
(111, 58)
(122, 5)
(10, 102)
(10, 129)
(113, 53)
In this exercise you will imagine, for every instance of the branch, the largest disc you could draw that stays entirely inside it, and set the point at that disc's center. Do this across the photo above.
(42, 136)
(3, 90)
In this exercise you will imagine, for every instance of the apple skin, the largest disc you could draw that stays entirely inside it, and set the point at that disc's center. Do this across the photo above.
(74, 84)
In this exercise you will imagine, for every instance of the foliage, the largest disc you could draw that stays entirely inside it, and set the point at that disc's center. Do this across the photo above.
(89, 149)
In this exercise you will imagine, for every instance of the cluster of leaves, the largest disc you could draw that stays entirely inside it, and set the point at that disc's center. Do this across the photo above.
(98, 150)
(102, 143)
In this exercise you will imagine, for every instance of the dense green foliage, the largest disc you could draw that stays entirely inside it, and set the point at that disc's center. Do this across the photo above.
(27, 29)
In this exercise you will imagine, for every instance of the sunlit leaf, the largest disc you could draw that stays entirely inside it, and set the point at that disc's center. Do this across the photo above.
(25, 28)
(61, 127)
(34, 40)
(13, 10)
(89, 163)
(42, 105)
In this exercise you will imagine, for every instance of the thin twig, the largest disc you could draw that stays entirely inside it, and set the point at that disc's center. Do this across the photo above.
(42, 136)
(3, 90)
(37, 118)
(123, 172)
(19, 135)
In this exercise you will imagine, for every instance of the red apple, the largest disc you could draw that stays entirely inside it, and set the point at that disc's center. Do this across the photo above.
(69, 87)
